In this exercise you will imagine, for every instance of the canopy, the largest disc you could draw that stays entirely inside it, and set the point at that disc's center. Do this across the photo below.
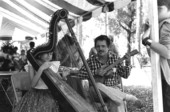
(33, 16)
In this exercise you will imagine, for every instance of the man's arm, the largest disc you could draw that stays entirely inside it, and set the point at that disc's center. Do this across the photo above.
(162, 50)
(124, 71)
(163, 47)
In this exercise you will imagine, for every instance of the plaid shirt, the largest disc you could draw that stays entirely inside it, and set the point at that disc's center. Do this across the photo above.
(94, 64)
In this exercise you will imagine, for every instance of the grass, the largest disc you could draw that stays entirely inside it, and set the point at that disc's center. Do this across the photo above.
(143, 93)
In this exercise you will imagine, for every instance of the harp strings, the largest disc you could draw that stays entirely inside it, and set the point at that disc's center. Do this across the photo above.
(81, 86)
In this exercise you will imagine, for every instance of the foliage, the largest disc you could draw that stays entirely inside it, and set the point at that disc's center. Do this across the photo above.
(143, 60)
(8, 48)
(114, 26)
(123, 19)
(144, 94)
(143, 57)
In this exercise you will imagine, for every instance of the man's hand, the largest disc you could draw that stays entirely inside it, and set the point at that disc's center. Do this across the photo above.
(145, 41)
(101, 70)
(146, 37)
(110, 72)
(127, 56)
(146, 33)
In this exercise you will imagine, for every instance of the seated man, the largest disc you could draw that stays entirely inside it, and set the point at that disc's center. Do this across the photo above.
(110, 85)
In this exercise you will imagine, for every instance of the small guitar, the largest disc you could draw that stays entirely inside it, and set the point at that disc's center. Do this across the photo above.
(104, 69)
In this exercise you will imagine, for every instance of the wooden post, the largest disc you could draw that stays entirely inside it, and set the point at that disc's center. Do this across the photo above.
(155, 64)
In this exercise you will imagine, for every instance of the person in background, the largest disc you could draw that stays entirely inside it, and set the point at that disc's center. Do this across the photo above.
(92, 52)
(16, 55)
(113, 47)
(1, 62)
(7, 64)
(39, 97)
(16, 58)
(22, 60)
(32, 45)
(162, 48)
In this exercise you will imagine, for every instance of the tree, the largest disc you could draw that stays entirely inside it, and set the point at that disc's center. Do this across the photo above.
(124, 21)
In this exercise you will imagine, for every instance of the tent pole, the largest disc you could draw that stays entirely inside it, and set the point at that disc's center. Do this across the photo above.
(155, 64)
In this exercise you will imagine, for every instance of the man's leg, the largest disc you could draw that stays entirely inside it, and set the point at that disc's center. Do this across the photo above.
(166, 96)
(114, 94)
(113, 107)
(118, 96)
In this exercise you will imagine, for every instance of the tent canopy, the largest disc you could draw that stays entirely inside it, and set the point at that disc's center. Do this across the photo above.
(33, 16)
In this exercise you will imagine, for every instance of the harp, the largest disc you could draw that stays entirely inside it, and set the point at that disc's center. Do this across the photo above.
(68, 99)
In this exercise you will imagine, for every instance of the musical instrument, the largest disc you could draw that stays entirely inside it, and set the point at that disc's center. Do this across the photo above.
(68, 99)
(103, 70)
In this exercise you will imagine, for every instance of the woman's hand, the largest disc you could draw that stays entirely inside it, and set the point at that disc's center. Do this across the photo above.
(36, 77)
(65, 73)
(45, 65)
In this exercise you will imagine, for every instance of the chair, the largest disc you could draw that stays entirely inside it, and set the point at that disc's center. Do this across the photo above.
(20, 82)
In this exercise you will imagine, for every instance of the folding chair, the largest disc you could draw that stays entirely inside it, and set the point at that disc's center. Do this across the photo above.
(20, 81)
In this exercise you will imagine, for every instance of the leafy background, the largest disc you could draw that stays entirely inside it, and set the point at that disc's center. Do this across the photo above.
(143, 93)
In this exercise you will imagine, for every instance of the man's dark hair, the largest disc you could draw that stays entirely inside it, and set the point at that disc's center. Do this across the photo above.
(32, 44)
(164, 3)
(102, 38)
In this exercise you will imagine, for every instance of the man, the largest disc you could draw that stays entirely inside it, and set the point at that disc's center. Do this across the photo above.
(32, 44)
(104, 58)
(112, 48)
(162, 48)
(22, 60)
